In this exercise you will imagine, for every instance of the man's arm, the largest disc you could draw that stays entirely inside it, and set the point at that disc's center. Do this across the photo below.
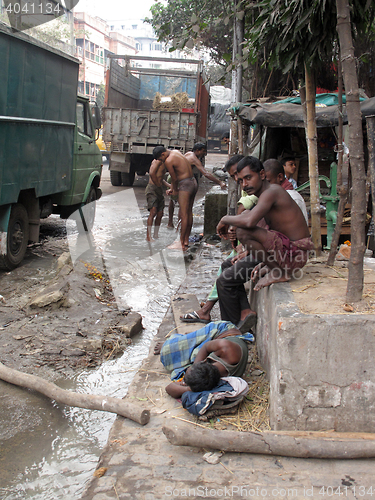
(195, 161)
(172, 173)
(176, 389)
(248, 218)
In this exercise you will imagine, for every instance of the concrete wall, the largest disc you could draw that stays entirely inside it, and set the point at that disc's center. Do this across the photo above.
(321, 367)
(215, 207)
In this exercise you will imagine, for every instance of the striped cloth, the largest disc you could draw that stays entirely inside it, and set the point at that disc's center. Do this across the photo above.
(179, 351)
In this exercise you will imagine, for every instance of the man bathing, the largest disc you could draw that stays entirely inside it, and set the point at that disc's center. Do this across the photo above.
(184, 185)
(195, 156)
(155, 198)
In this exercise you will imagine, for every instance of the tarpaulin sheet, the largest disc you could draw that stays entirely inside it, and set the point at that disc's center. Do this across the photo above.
(291, 115)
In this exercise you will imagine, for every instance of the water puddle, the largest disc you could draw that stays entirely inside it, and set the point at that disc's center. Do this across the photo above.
(59, 459)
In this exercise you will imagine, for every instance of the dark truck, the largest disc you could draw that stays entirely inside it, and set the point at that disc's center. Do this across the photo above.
(49, 162)
(133, 128)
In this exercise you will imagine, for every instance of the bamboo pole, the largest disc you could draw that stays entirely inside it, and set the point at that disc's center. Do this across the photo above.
(88, 401)
(298, 444)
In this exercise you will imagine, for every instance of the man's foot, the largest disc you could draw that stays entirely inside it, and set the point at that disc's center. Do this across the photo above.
(247, 323)
(193, 317)
(158, 347)
(269, 278)
(170, 226)
(176, 245)
(148, 238)
(258, 272)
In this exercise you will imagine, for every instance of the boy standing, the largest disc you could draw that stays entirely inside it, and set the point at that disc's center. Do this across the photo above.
(155, 198)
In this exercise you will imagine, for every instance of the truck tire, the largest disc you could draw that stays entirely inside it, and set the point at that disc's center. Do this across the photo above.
(88, 211)
(127, 179)
(115, 177)
(17, 238)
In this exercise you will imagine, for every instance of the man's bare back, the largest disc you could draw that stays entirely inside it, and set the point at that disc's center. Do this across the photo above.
(180, 165)
(157, 171)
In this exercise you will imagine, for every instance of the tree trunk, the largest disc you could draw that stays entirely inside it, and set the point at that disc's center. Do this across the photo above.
(312, 147)
(358, 212)
(89, 401)
(299, 444)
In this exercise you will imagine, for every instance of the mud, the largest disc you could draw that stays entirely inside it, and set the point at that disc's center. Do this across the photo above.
(56, 317)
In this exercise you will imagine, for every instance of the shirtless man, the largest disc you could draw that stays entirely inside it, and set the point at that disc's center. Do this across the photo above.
(195, 156)
(281, 249)
(184, 185)
(155, 198)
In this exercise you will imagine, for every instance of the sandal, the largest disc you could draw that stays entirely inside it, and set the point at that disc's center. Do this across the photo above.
(193, 318)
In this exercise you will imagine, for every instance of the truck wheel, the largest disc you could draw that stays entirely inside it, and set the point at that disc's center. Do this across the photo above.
(115, 177)
(127, 178)
(88, 211)
(17, 238)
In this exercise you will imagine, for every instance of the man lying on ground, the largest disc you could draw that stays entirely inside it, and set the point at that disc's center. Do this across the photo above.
(203, 356)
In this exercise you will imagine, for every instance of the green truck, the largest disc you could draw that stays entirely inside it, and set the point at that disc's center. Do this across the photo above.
(49, 161)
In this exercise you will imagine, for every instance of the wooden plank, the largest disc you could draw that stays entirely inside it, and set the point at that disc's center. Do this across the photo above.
(182, 304)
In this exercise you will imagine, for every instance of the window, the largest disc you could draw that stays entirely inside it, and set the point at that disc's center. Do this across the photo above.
(138, 46)
(83, 119)
(134, 26)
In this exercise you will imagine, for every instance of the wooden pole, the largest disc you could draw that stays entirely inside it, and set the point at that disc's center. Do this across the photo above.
(312, 147)
(298, 444)
(89, 401)
(341, 188)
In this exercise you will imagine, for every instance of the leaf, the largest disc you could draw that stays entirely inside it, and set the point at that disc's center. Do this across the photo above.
(348, 308)
(240, 15)
(196, 28)
(194, 18)
(226, 20)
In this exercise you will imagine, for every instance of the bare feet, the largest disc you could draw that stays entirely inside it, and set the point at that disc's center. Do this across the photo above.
(273, 276)
(158, 347)
(258, 272)
(170, 226)
(148, 238)
(177, 245)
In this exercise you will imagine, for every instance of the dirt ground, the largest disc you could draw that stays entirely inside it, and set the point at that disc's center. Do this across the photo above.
(56, 317)
(322, 289)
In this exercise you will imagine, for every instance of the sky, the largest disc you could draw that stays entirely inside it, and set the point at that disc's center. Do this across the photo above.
(116, 10)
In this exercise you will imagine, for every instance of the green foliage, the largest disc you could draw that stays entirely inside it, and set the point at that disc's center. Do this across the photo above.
(100, 96)
(295, 33)
(194, 23)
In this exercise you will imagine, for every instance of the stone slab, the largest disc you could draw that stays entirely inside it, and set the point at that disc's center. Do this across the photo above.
(181, 304)
(215, 207)
(320, 366)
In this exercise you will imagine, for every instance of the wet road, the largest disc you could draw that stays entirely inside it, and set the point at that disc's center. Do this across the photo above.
(49, 451)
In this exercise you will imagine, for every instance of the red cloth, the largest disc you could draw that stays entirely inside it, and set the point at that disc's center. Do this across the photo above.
(286, 253)
(287, 185)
